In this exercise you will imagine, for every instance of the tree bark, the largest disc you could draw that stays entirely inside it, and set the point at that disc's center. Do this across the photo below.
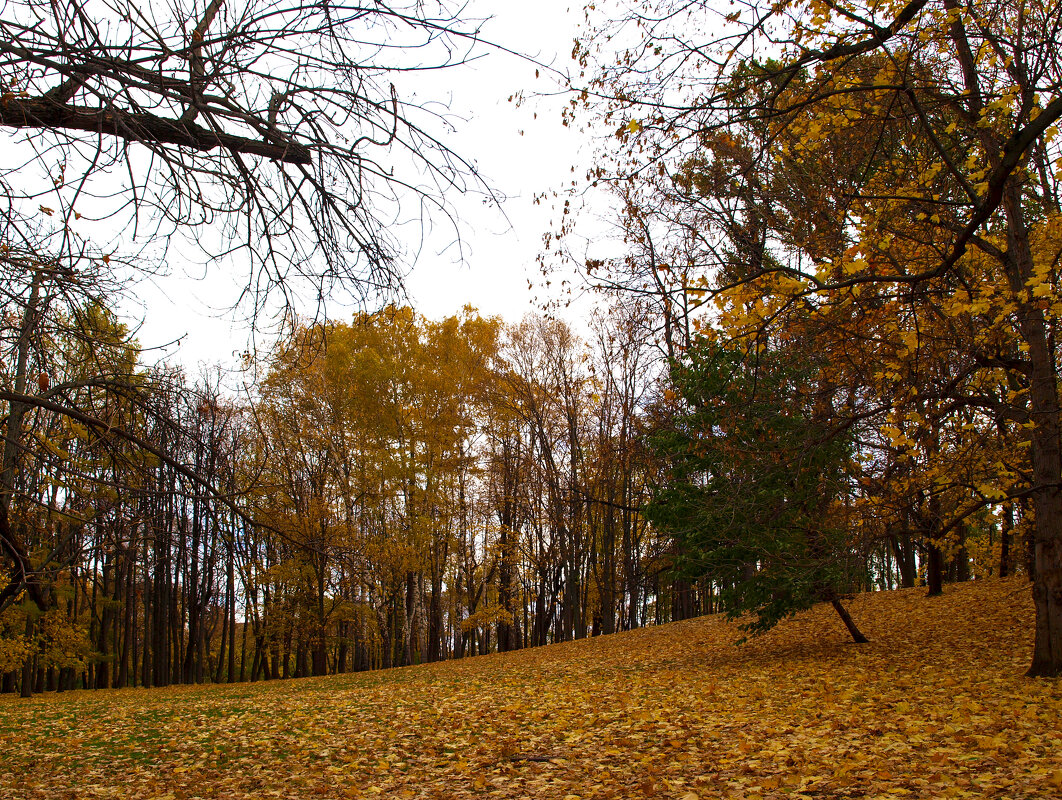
(1046, 448)
(934, 570)
(45, 113)
(849, 623)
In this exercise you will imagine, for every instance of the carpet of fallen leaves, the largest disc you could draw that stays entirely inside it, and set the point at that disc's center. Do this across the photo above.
(935, 706)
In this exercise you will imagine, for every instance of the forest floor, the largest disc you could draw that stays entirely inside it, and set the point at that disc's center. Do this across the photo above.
(935, 706)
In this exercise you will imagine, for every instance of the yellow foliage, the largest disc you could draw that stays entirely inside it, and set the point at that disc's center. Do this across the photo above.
(485, 616)
(13, 644)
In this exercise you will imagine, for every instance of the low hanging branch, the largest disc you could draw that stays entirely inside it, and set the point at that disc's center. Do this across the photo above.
(44, 112)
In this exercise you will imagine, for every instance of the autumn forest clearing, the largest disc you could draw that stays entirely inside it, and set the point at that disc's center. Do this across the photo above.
(935, 705)
(794, 351)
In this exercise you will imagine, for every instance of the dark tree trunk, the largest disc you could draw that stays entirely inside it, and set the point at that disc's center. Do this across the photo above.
(231, 590)
(27, 666)
(681, 599)
(103, 644)
(407, 628)
(343, 648)
(1046, 447)
(934, 570)
(849, 623)
(903, 552)
(435, 616)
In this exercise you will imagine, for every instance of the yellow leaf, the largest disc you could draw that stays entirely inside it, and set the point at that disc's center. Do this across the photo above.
(1043, 290)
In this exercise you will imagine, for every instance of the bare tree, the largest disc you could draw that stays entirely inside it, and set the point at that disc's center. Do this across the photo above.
(274, 130)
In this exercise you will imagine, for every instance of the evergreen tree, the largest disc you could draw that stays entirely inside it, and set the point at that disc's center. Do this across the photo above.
(757, 474)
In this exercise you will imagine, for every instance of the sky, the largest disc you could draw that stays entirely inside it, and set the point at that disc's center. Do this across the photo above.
(520, 151)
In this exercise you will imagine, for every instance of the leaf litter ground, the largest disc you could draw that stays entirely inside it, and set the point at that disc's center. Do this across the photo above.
(935, 706)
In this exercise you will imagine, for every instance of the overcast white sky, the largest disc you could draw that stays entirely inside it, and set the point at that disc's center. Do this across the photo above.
(520, 151)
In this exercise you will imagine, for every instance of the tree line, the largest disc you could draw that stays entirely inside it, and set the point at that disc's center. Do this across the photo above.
(395, 490)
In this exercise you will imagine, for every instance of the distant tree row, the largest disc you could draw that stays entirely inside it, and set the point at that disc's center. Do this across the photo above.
(396, 490)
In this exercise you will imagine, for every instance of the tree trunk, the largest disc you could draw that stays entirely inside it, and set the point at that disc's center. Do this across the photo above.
(1047, 595)
(231, 590)
(849, 623)
(27, 666)
(934, 570)
(407, 629)
(435, 615)
(1046, 449)
(1004, 539)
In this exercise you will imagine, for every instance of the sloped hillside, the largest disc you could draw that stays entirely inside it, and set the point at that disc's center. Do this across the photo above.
(935, 706)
